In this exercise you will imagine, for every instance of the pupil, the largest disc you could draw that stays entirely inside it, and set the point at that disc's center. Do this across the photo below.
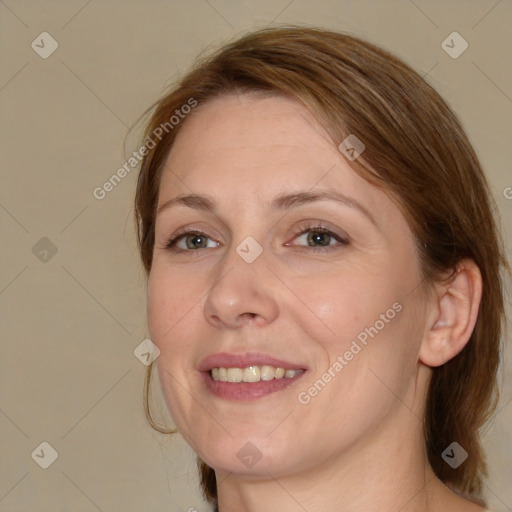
(320, 238)
(197, 238)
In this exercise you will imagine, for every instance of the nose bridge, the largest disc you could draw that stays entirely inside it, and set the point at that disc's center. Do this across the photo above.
(242, 289)
(245, 252)
(244, 264)
(249, 250)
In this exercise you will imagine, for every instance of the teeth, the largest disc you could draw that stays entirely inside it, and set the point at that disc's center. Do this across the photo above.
(267, 372)
(252, 373)
(235, 375)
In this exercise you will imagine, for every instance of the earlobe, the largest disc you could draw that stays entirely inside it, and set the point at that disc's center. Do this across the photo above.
(455, 308)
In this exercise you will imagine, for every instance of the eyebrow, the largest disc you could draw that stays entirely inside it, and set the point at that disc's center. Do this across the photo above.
(280, 203)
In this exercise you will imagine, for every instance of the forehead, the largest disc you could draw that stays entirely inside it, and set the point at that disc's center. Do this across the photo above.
(244, 151)
(248, 125)
(242, 138)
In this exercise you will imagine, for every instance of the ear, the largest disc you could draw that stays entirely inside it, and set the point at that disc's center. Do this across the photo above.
(453, 316)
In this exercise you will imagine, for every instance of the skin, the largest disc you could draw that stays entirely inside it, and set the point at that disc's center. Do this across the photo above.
(358, 444)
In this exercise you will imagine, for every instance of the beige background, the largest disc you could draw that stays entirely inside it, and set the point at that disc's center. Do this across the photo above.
(70, 321)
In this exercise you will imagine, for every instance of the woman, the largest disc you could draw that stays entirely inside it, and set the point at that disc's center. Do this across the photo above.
(323, 279)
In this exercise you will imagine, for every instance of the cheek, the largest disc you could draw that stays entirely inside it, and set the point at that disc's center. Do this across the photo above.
(170, 313)
(171, 297)
(359, 316)
(160, 309)
(343, 303)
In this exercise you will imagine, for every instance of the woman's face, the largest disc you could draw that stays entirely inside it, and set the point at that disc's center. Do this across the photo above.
(283, 275)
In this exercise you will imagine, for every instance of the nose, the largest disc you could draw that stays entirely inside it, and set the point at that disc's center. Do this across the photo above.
(244, 293)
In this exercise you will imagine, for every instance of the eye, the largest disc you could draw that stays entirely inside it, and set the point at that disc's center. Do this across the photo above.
(319, 238)
(189, 240)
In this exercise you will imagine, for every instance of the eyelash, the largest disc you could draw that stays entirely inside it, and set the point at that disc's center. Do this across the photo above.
(301, 231)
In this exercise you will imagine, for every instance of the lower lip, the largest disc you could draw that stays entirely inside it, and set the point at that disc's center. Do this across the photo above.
(244, 391)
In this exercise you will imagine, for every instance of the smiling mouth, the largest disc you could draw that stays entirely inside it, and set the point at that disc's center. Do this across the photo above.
(247, 376)
(252, 374)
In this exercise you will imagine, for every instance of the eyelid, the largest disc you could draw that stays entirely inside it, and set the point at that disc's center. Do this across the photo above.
(303, 228)
(319, 227)
(176, 237)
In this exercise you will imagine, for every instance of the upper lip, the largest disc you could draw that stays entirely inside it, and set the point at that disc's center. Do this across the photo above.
(227, 360)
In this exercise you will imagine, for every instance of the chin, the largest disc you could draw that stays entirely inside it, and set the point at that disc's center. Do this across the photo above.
(247, 456)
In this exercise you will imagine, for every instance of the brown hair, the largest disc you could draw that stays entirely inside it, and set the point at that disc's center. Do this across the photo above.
(417, 150)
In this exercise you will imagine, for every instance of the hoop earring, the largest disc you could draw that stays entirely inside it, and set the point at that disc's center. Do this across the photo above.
(146, 397)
